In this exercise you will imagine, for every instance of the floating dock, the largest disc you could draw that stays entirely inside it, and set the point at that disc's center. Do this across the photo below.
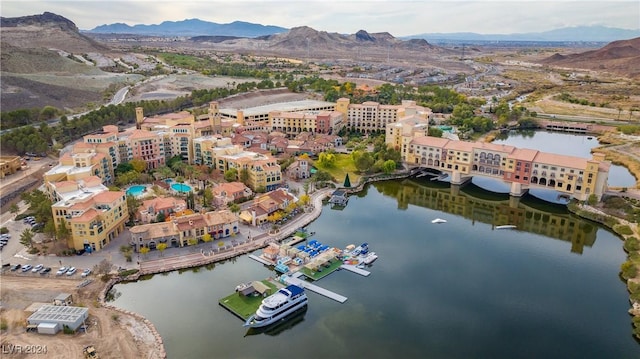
(261, 260)
(314, 288)
(355, 269)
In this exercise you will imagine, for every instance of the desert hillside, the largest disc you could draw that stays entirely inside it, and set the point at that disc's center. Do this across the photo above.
(619, 57)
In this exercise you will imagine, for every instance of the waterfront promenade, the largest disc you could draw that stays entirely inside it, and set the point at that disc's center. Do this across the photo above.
(205, 254)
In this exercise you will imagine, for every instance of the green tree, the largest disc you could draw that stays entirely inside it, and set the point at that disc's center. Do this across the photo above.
(123, 167)
(138, 165)
(231, 175)
(388, 166)
(435, 132)
(234, 208)
(326, 159)
(244, 176)
(133, 203)
(347, 182)
(144, 251)
(161, 217)
(62, 232)
(207, 197)
(364, 162)
(26, 238)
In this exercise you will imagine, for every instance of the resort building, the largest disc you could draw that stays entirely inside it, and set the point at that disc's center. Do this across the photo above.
(399, 134)
(9, 165)
(185, 230)
(84, 160)
(293, 123)
(230, 192)
(266, 204)
(150, 209)
(145, 145)
(373, 117)
(93, 216)
(257, 118)
(521, 168)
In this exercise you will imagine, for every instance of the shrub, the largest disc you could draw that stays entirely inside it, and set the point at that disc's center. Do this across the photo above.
(623, 230)
(631, 244)
(4, 325)
(628, 270)
(126, 273)
(4, 230)
(67, 330)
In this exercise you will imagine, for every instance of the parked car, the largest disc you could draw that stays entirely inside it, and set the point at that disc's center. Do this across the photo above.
(5, 235)
(15, 267)
(85, 273)
(27, 267)
(71, 271)
(61, 271)
(45, 271)
(37, 268)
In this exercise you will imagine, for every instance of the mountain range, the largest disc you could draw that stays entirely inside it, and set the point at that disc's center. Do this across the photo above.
(191, 27)
(578, 33)
(196, 27)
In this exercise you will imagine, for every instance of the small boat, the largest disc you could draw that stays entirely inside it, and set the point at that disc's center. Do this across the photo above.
(361, 249)
(439, 220)
(506, 226)
(369, 258)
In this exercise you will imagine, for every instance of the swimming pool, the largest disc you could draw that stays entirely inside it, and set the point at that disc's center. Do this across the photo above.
(136, 190)
(181, 187)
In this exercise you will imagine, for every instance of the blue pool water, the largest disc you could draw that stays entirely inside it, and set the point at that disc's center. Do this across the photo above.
(135, 190)
(181, 187)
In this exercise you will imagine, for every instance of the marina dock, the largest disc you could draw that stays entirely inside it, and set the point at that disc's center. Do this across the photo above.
(355, 269)
(314, 288)
(261, 260)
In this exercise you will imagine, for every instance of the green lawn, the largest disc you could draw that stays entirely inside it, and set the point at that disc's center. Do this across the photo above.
(343, 165)
(243, 306)
(325, 271)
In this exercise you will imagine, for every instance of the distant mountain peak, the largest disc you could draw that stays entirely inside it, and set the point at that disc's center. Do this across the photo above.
(47, 18)
(362, 35)
(191, 27)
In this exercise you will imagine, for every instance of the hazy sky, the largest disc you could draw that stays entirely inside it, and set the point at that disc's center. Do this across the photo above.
(398, 17)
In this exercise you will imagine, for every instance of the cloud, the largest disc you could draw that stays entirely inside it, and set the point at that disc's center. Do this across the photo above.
(399, 17)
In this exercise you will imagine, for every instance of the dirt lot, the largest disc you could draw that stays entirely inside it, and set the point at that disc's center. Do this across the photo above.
(114, 334)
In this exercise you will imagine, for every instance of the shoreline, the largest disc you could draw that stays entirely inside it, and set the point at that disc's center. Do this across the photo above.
(201, 259)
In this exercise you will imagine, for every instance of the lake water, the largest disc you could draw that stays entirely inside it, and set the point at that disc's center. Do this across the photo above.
(462, 289)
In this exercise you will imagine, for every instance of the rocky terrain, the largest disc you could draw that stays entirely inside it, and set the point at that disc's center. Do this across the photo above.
(619, 57)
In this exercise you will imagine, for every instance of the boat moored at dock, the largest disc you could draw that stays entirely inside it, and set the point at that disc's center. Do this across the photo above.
(277, 306)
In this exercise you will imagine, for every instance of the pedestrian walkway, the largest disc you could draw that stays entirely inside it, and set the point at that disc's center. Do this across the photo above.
(181, 260)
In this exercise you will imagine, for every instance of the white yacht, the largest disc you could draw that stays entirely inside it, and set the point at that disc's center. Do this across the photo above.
(368, 258)
(277, 306)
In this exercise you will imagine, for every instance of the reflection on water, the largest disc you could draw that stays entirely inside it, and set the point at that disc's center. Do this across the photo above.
(282, 325)
(526, 213)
